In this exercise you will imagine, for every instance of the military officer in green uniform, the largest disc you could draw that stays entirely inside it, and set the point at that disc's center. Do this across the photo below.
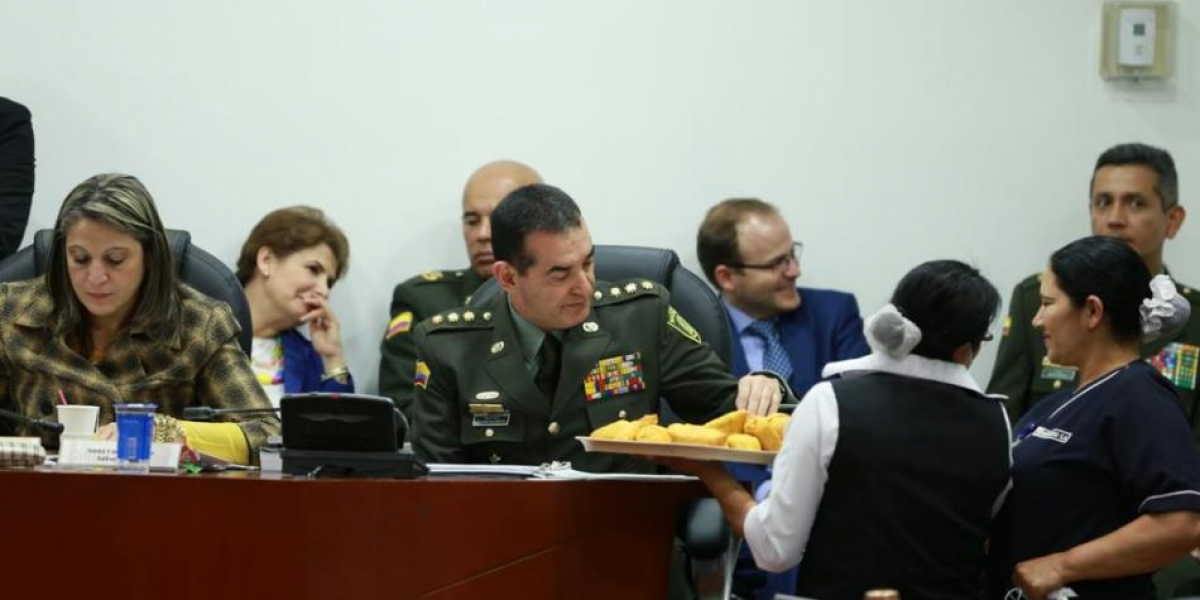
(434, 291)
(1135, 198)
(558, 354)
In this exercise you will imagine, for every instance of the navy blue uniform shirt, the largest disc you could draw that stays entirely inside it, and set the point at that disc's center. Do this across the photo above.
(1088, 462)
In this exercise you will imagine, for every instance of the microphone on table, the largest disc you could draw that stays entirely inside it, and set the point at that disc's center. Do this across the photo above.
(51, 426)
(207, 413)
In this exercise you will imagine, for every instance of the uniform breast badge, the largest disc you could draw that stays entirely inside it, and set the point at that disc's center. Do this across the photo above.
(1177, 362)
(421, 376)
(614, 376)
(489, 415)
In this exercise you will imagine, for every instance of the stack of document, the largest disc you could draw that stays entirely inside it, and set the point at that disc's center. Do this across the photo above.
(21, 452)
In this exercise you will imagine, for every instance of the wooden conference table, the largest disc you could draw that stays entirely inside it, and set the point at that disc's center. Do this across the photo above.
(83, 535)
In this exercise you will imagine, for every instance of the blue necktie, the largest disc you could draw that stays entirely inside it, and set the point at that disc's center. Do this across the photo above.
(775, 358)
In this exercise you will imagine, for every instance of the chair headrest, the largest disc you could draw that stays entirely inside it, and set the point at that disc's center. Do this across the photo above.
(614, 263)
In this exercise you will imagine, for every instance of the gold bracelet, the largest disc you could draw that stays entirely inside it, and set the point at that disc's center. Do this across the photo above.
(167, 429)
(340, 374)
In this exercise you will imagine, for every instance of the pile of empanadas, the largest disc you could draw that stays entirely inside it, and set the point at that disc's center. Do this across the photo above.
(737, 429)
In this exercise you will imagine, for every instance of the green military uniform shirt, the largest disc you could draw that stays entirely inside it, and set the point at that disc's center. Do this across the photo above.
(1024, 375)
(412, 302)
(477, 402)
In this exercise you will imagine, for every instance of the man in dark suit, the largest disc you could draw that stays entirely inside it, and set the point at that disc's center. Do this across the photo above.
(748, 253)
(16, 174)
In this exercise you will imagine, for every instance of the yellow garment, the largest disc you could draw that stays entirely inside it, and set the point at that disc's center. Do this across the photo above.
(220, 440)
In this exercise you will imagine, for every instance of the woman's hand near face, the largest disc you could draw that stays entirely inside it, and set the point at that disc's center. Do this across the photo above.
(325, 330)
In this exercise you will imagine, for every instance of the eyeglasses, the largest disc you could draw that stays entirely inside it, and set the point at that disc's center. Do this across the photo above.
(779, 265)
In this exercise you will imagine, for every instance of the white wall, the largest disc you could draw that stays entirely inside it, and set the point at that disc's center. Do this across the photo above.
(890, 132)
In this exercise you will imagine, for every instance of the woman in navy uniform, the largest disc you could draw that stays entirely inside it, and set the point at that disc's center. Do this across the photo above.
(1106, 485)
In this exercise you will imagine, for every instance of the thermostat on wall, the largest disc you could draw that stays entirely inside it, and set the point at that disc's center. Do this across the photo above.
(1134, 41)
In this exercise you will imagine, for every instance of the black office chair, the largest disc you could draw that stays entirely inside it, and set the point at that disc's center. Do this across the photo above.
(710, 545)
(689, 294)
(195, 267)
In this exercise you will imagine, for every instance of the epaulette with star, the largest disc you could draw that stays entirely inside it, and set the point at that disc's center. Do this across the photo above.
(461, 318)
(439, 276)
(623, 291)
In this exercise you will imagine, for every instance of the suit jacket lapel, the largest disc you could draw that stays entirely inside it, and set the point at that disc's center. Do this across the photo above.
(506, 363)
(740, 366)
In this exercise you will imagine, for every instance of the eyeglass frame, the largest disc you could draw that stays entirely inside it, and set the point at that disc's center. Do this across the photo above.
(778, 265)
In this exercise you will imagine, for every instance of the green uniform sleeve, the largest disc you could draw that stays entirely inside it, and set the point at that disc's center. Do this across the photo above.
(398, 352)
(1014, 370)
(436, 416)
(694, 380)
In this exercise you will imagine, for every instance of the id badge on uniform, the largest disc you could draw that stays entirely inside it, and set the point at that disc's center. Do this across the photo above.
(489, 415)
(1055, 372)
(614, 376)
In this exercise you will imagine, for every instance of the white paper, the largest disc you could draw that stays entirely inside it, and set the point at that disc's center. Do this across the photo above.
(97, 453)
(556, 470)
(463, 469)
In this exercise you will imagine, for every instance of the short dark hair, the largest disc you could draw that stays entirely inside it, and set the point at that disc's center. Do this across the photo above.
(952, 303)
(717, 242)
(287, 231)
(124, 204)
(1110, 270)
(534, 207)
(1157, 159)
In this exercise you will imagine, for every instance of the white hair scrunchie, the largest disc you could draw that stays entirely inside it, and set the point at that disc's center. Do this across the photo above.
(889, 332)
(1165, 311)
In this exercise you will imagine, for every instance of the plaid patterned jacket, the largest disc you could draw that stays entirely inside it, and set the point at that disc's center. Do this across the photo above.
(200, 366)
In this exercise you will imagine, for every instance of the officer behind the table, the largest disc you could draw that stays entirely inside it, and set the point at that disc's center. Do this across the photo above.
(558, 354)
(431, 292)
